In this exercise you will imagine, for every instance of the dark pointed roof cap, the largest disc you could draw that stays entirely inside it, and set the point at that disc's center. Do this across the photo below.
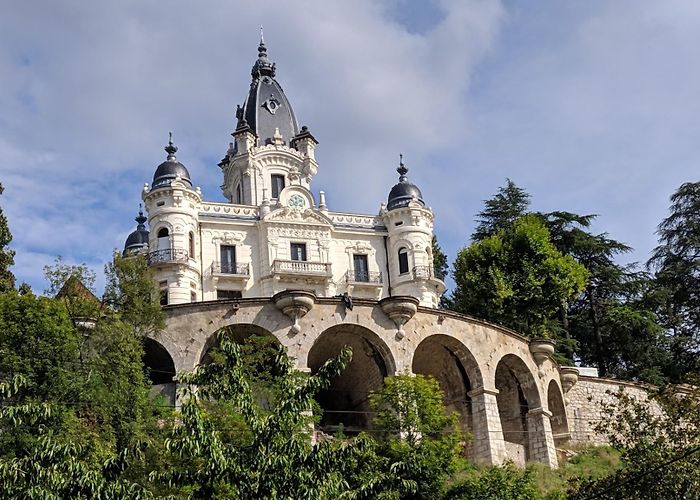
(266, 107)
(138, 239)
(170, 169)
(263, 66)
(404, 192)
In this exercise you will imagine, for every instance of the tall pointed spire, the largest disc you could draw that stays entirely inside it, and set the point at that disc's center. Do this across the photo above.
(262, 67)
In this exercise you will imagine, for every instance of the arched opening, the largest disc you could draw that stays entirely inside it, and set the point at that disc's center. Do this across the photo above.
(163, 239)
(455, 369)
(346, 402)
(160, 369)
(517, 395)
(555, 404)
(191, 245)
(258, 349)
(403, 260)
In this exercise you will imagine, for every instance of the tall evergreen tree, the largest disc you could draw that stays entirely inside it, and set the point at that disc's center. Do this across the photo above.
(7, 256)
(507, 205)
(440, 265)
(676, 266)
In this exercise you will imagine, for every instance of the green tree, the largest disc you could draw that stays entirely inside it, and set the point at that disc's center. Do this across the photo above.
(660, 449)
(676, 266)
(440, 264)
(517, 278)
(504, 208)
(7, 256)
(277, 459)
(416, 431)
(497, 483)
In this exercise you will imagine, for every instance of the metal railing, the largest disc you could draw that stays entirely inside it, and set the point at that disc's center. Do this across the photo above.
(372, 277)
(423, 272)
(301, 267)
(167, 255)
(233, 268)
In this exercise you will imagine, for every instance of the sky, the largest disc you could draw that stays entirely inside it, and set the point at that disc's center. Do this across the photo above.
(591, 107)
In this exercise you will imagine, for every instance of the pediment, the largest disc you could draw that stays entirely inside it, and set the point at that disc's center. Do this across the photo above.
(298, 215)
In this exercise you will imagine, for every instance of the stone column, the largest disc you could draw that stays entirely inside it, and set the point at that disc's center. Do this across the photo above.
(488, 445)
(541, 440)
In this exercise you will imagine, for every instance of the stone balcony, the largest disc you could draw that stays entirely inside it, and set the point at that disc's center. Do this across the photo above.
(230, 271)
(300, 269)
(167, 256)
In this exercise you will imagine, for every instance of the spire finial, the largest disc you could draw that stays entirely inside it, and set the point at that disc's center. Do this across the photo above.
(262, 67)
(171, 148)
(402, 170)
(141, 219)
(262, 38)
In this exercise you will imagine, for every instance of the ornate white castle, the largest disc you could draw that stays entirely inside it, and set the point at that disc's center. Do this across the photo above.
(276, 261)
(274, 234)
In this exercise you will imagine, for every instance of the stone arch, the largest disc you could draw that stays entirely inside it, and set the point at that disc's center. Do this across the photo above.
(238, 331)
(555, 405)
(346, 401)
(517, 396)
(456, 370)
(160, 368)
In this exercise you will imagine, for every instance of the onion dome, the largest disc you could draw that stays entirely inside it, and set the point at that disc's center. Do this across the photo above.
(170, 169)
(266, 109)
(138, 240)
(404, 192)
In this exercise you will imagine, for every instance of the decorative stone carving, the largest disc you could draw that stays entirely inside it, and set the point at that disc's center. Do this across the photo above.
(541, 350)
(569, 377)
(294, 304)
(400, 310)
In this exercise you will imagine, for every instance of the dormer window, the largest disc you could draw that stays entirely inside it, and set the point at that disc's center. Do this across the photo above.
(277, 182)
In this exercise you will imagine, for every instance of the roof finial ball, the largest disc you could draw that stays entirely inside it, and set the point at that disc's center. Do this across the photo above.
(402, 170)
(171, 148)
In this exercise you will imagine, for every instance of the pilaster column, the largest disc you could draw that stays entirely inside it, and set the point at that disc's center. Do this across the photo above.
(488, 445)
(541, 440)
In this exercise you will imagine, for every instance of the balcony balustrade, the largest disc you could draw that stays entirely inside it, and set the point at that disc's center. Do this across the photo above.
(424, 273)
(301, 268)
(167, 256)
(363, 277)
(232, 268)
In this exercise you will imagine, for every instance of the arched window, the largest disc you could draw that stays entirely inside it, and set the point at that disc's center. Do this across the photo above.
(163, 239)
(239, 193)
(403, 260)
(191, 245)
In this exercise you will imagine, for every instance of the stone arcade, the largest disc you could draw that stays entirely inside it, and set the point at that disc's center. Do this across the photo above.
(275, 260)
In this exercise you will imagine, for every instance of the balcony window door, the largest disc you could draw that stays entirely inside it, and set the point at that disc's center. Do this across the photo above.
(163, 239)
(360, 266)
(277, 182)
(298, 251)
(228, 259)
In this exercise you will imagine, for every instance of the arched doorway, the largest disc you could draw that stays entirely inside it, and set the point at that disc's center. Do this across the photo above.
(555, 404)
(160, 369)
(517, 395)
(345, 402)
(456, 370)
(258, 349)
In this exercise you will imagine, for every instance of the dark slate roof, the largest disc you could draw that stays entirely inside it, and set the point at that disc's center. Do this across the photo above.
(139, 238)
(403, 192)
(170, 169)
(266, 108)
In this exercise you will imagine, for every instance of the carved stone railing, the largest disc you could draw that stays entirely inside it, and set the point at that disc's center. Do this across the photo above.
(166, 256)
(301, 267)
(234, 269)
(423, 272)
(363, 277)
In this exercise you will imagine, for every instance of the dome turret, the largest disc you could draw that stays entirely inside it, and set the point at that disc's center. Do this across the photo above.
(266, 110)
(170, 169)
(137, 240)
(404, 192)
